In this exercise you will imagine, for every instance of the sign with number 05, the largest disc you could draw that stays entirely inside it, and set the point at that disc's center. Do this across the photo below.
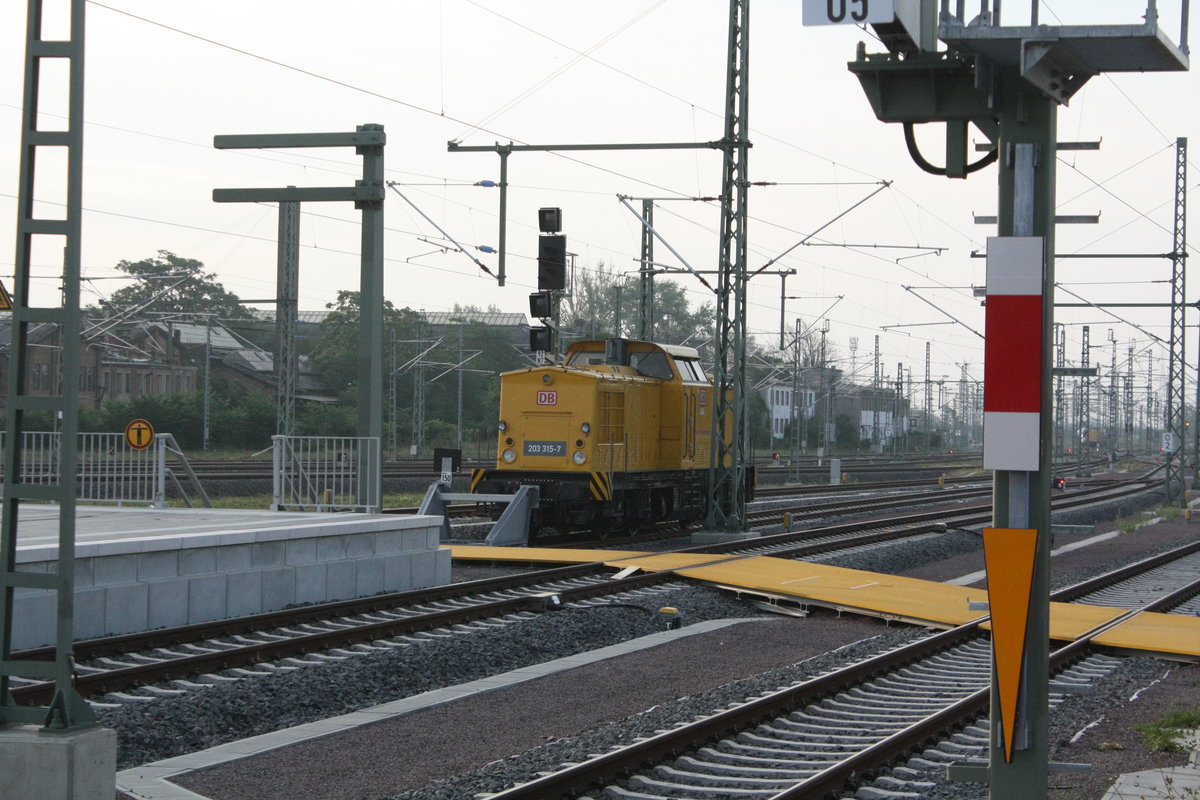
(847, 12)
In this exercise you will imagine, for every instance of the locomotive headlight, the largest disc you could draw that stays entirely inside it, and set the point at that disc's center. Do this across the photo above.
(546, 377)
(586, 427)
(503, 426)
(509, 456)
(579, 458)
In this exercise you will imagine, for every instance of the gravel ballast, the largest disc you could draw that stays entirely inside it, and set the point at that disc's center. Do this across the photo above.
(456, 750)
(445, 752)
(229, 711)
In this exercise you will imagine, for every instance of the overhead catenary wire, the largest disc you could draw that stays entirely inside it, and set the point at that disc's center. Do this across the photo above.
(219, 232)
(391, 185)
(883, 185)
(316, 75)
(580, 56)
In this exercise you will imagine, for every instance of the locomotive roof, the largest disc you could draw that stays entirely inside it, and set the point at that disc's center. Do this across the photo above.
(673, 350)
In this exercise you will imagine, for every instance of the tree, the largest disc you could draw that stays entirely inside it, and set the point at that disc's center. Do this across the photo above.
(603, 303)
(591, 308)
(172, 284)
(674, 321)
(758, 422)
(480, 376)
(335, 355)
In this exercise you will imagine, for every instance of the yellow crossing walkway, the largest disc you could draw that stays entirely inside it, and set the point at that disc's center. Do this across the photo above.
(874, 593)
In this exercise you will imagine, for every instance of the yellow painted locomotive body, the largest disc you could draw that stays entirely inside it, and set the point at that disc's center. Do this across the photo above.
(619, 434)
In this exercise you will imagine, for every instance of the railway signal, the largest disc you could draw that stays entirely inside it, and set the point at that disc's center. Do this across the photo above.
(552, 262)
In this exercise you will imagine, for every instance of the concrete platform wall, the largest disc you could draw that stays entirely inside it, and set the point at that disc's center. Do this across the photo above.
(130, 585)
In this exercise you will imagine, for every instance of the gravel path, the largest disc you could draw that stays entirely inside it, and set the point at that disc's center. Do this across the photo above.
(458, 749)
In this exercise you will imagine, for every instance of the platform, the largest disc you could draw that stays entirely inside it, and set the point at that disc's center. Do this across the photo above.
(878, 594)
(137, 568)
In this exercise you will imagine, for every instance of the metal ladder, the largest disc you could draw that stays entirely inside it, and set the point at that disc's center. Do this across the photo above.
(67, 710)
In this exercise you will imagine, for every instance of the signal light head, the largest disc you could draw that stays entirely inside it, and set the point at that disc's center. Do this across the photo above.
(549, 220)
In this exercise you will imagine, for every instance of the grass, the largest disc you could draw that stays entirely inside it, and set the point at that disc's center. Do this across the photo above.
(1183, 718)
(1170, 513)
(228, 455)
(1160, 735)
(1125, 525)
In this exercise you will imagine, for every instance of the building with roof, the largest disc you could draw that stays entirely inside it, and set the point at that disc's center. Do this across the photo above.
(880, 415)
(515, 321)
(130, 359)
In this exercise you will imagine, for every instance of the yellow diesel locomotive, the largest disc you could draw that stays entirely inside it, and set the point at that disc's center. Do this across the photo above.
(617, 436)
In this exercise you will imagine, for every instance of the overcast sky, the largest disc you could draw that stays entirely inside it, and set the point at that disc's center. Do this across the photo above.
(164, 77)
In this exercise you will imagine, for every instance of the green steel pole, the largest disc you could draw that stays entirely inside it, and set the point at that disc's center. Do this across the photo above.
(1028, 132)
(370, 344)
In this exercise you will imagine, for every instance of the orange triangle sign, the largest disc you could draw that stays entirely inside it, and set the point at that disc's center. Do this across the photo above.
(5, 299)
(1008, 556)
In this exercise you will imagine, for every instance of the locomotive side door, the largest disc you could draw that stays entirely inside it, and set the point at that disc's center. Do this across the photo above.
(689, 426)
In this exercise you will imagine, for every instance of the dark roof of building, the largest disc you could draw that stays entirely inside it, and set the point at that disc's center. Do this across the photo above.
(314, 317)
(192, 335)
(498, 319)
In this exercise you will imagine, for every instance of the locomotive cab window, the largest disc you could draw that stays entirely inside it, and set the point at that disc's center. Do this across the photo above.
(585, 357)
(652, 365)
(690, 370)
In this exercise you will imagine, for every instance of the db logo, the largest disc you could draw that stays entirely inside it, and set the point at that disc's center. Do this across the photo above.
(547, 398)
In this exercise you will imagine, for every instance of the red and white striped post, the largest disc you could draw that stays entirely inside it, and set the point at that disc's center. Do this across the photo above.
(1012, 441)
(1012, 354)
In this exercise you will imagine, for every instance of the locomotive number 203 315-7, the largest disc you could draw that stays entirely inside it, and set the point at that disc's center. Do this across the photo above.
(545, 448)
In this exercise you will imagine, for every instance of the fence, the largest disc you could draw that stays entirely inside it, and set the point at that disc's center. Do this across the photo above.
(110, 471)
(326, 473)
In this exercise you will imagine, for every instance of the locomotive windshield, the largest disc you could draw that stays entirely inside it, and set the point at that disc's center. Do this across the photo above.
(652, 365)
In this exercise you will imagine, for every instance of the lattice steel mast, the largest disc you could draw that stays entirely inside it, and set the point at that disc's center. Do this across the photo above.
(1085, 409)
(1129, 402)
(727, 476)
(928, 398)
(1113, 400)
(876, 387)
(798, 408)
(1060, 400)
(646, 272)
(1175, 380)
(286, 309)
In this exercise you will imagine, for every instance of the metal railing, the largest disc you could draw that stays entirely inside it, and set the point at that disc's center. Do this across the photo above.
(110, 471)
(325, 473)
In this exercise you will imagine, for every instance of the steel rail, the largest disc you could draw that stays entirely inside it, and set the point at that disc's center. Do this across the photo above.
(249, 654)
(1069, 593)
(576, 778)
(835, 778)
(579, 777)
(87, 649)
(975, 514)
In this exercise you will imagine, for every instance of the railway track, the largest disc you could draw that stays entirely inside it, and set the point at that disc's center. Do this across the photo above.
(341, 630)
(468, 509)
(347, 628)
(822, 736)
(260, 469)
(784, 517)
(172, 658)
